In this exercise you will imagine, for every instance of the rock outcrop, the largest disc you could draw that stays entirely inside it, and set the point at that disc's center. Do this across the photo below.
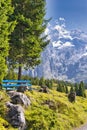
(19, 98)
(15, 114)
(22, 89)
(72, 96)
(44, 90)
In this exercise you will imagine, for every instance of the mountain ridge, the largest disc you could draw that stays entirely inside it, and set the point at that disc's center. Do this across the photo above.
(65, 57)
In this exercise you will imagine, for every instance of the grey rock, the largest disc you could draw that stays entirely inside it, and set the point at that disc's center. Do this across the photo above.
(44, 90)
(22, 89)
(15, 116)
(19, 98)
(72, 96)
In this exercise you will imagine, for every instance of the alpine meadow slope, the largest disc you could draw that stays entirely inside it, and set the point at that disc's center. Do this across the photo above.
(48, 111)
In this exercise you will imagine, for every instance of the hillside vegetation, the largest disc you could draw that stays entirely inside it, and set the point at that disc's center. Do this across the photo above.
(48, 111)
(4, 125)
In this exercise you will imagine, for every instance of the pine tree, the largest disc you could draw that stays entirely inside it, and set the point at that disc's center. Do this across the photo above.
(81, 91)
(60, 88)
(66, 89)
(49, 83)
(76, 88)
(6, 28)
(27, 40)
(42, 82)
(11, 74)
(72, 89)
(35, 81)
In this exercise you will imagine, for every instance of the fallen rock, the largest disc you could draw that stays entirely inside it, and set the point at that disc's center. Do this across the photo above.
(19, 98)
(15, 116)
(72, 96)
(44, 90)
(22, 89)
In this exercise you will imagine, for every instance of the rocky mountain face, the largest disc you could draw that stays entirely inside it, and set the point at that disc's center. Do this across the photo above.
(65, 58)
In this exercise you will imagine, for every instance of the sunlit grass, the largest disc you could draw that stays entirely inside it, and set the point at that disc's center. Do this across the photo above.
(66, 114)
(48, 111)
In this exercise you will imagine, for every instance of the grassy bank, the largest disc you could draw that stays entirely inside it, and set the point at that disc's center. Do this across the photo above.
(50, 111)
(53, 111)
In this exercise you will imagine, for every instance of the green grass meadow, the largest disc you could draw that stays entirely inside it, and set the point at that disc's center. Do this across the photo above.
(48, 111)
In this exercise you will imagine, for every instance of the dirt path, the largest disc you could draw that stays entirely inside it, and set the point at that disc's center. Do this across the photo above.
(83, 127)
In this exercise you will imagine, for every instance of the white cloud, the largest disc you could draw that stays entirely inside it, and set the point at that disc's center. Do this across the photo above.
(61, 19)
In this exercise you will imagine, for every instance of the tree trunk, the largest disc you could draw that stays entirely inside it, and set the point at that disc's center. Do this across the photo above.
(19, 72)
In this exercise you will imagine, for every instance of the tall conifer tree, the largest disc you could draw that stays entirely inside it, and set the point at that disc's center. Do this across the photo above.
(6, 28)
(27, 40)
(76, 88)
(81, 91)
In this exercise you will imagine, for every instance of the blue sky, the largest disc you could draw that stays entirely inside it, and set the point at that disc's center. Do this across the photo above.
(73, 11)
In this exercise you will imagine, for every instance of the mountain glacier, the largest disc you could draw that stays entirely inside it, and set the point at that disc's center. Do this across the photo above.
(65, 58)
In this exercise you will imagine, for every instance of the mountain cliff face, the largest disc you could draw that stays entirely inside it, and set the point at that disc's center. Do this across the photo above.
(65, 58)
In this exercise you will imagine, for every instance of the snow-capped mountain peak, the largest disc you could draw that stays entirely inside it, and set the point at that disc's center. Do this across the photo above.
(65, 57)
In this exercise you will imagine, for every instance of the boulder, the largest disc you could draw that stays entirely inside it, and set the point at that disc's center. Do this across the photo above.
(44, 89)
(19, 98)
(72, 96)
(15, 116)
(22, 89)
